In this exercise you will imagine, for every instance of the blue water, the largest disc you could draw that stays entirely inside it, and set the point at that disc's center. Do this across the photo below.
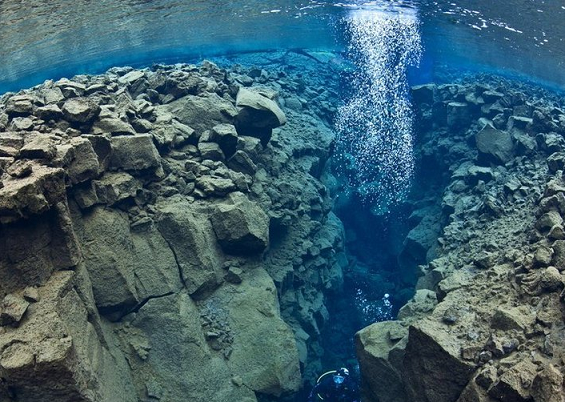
(42, 40)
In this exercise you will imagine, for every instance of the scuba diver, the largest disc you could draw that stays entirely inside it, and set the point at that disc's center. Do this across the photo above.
(334, 386)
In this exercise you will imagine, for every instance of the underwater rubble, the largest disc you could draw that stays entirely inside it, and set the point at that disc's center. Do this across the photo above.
(170, 234)
(157, 227)
(487, 320)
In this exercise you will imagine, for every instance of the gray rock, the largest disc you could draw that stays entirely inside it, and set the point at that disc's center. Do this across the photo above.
(136, 153)
(191, 237)
(519, 122)
(381, 359)
(257, 111)
(201, 112)
(80, 110)
(210, 151)
(115, 187)
(12, 310)
(458, 115)
(84, 164)
(241, 162)
(19, 105)
(114, 126)
(494, 145)
(241, 226)
(49, 112)
(226, 136)
(216, 186)
(234, 275)
(31, 294)
(433, 367)
(548, 220)
(38, 146)
(556, 161)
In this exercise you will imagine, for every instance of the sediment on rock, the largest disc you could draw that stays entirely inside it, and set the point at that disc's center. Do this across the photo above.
(165, 235)
(492, 322)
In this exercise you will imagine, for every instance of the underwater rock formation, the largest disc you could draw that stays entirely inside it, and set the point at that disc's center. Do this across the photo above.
(487, 321)
(164, 236)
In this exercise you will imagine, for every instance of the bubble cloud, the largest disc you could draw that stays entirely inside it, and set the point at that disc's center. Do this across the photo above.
(374, 126)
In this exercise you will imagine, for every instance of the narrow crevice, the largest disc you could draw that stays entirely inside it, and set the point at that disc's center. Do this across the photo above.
(142, 303)
(176, 260)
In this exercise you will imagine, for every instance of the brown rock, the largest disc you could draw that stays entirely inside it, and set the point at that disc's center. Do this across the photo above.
(548, 385)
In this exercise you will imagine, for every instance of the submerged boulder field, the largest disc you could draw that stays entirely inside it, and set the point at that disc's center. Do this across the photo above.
(168, 234)
(487, 320)
(164, 236)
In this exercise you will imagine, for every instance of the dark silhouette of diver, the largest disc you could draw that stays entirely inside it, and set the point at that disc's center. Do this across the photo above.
(334, 386)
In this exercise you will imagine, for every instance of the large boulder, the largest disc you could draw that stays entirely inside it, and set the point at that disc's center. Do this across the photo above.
(34, 248)
(434, 369)
(60, 351)
(191, 237)
(267, 364)
(380, 350)
(241, 226)
(80, 110)
(201, 112)
(494, 145)
(134, 153)
(256, 110)
(171, 359)
(37, 192)
(107, 250)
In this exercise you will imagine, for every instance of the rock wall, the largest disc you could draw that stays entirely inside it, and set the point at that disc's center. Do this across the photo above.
(165, 234)
(487, 320)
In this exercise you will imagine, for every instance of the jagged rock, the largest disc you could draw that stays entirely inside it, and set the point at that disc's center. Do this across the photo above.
(517, 318)
(434, 370)
(49, 112)
(548, 385)
(458, 115)
(70, 89)
(241, 162)
(32, 194)
(38, 146)
(84, 161)
(60, 351)
(494, 145)
(550, 279)
(226, 136)
(514, 384)
(85, 196)
(12, 310)
(234, 275)
(136, 153)
(519, 122)
(156, 269)
(381, 360)
(34, 247)
(215, 186)
(107, 250)
(112, 125)
(19, 105)
(549, 220)
(556, 161)
(558, 260)
(543, 256)
(257, 114)
(22, 124)
(241, 226)
(115, 187)
(191, 237)
(202, 112)
(423, 302)
(31, 294)
(80, 110)
(211, 151)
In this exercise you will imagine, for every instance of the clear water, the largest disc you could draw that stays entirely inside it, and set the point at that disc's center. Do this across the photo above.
(41, 40)
(390, 44)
